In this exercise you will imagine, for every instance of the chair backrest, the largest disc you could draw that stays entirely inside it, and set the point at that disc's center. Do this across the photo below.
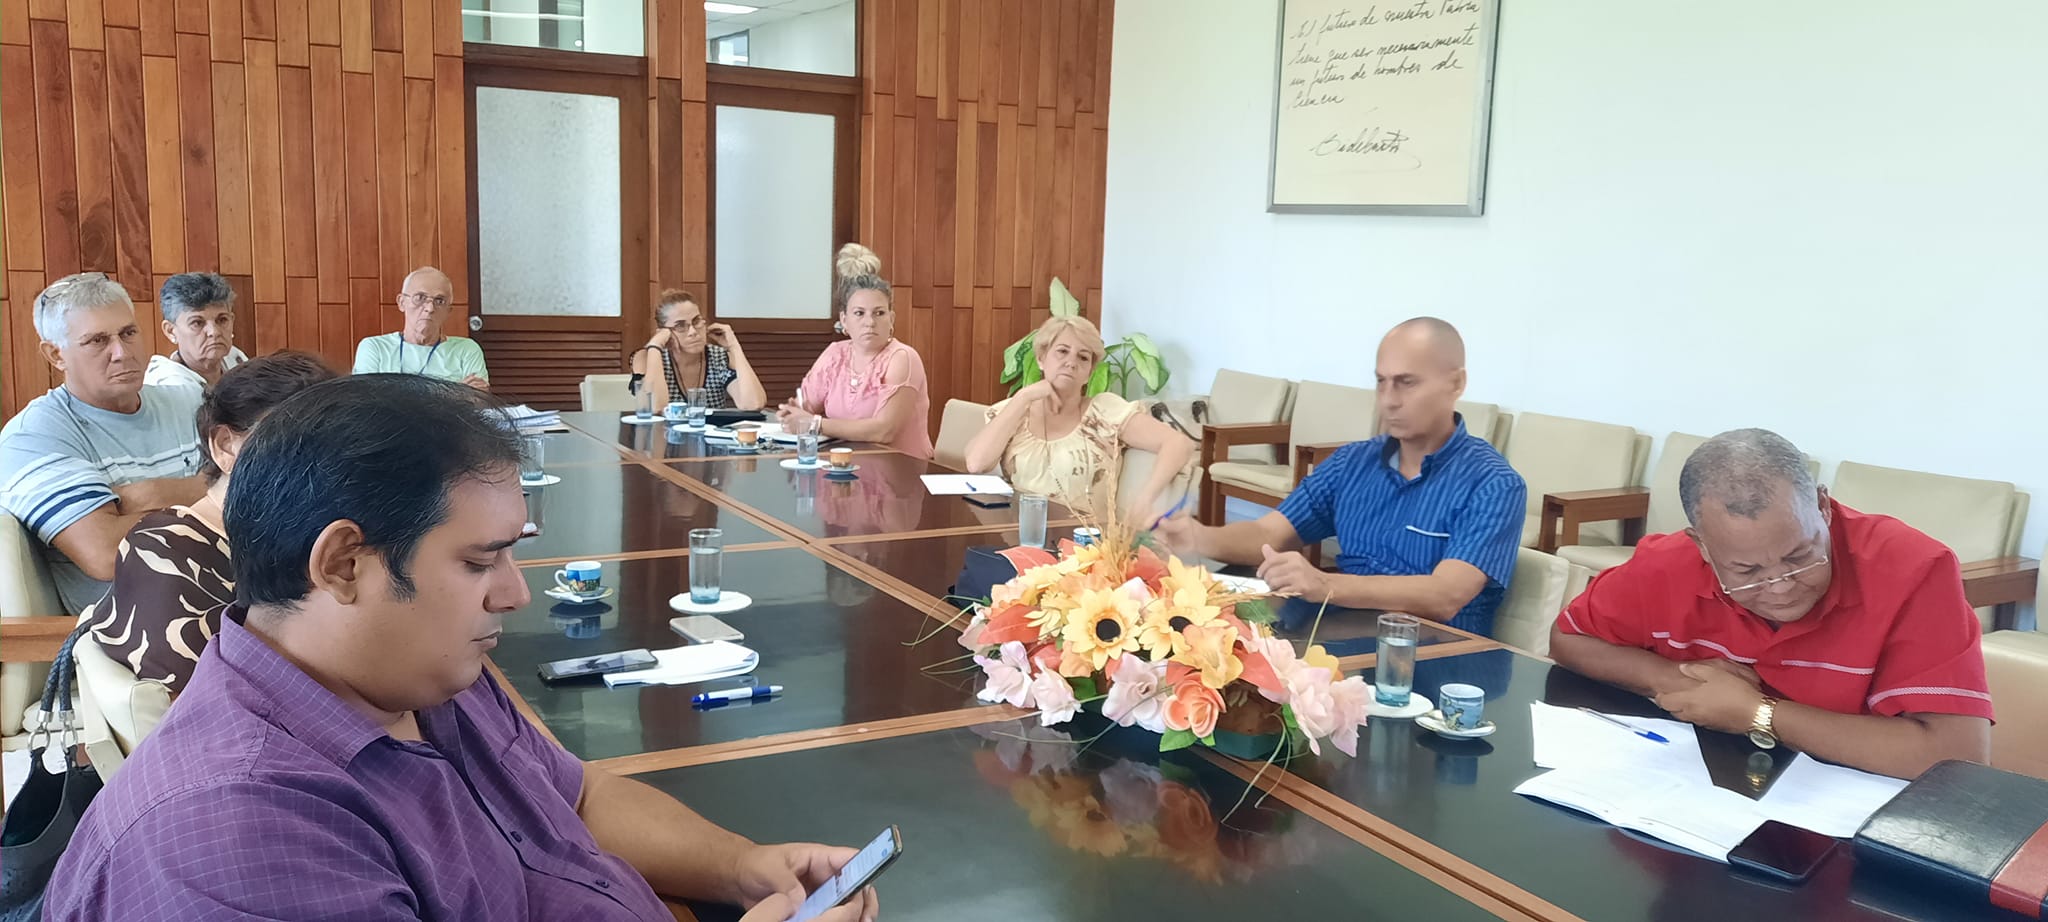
(1243, 397)
(606, 393)
(26, 590)
(1973, 517)
(1137, 468)
(1332, 413)
(1539, 589)
(958, 425)
(2041, 603)
(110, 692)
(2015, 669)
(1667, 513)
(1559, 455)
(1486, 421)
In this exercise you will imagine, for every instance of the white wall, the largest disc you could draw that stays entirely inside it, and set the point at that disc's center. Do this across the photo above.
(1829, 219)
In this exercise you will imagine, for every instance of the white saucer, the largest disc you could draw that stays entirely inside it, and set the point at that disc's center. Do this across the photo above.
(846, 471)
(637, 421)
(546, 480)
(793, 464)
(1434, 723)
(1416, 707)
(747, 449)
(728, 600)
(563, 595)
(684, 427)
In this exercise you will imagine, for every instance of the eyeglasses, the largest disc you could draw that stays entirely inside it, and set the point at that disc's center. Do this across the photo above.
(694, 323)
(422, 299)
(1791, 574)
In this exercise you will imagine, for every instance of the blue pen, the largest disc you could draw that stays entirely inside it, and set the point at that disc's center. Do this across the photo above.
(1645, 734)
(736, 694)
(1170, 512)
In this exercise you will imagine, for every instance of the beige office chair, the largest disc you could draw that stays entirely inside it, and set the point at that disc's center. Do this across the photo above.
(1137, 468)
(1324, 414)
(1237, 398)
(1978, 519)
(26, 590)
(1486, 421)
(1559, 455)
(1666, 513)
(2016, 665)
(961, 421)
(1541, 587)
(606, 393)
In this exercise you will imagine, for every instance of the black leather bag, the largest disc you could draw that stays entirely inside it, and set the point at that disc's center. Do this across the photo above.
(984, 569)
(44, 815)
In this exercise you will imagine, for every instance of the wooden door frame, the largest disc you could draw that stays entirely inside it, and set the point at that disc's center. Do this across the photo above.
(620, 76)
(785, 91)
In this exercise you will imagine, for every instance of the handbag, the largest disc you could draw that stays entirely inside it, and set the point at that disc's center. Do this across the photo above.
(46, 813)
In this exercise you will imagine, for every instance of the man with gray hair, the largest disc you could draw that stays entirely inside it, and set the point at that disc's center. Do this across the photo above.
(83, 463)
(199, 318)
(1786, 615)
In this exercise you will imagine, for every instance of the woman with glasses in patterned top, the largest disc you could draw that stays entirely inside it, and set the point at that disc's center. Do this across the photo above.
(696, 353)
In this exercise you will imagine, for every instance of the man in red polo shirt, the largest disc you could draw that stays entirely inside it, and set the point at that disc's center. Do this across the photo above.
(1788, 616)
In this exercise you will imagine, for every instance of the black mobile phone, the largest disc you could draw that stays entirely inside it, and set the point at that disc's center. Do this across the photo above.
(858, 872)
(986, 502)
(1782, 851)
(563, 670)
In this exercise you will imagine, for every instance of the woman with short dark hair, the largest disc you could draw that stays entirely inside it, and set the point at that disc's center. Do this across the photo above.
(199, 318)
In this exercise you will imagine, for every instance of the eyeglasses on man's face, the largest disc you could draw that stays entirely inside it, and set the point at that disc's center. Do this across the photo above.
(1787, 576)
(422, 299)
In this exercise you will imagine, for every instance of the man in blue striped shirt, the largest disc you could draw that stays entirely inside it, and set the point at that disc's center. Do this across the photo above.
(83, 463)
(1427, 516)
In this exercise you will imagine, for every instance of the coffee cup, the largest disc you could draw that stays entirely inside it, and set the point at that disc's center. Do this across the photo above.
(581, 577)
(1463, 706)
(675, 411)
(842, 458)
(747, 438)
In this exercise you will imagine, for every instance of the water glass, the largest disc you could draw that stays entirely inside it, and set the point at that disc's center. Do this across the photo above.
(707, 556)
(1031, 519)
(698, 401)
(643, 403)
(1394, 673)
(532, 457)
(807, 448)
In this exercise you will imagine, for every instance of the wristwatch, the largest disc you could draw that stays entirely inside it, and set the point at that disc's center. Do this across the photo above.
(1761, 734)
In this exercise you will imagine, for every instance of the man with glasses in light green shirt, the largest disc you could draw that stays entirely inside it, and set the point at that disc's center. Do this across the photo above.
(419, 347)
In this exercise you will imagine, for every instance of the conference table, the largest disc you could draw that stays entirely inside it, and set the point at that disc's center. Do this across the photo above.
(878, 724)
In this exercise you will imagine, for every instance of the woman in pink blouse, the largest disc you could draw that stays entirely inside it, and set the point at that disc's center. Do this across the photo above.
(867, 387)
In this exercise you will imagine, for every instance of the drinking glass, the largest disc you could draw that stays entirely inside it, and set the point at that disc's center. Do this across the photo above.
(532, 455)
(807, 448)
(707, 556)
(643, 403)
(1031, 519)
(1394, 673)
(699, 401)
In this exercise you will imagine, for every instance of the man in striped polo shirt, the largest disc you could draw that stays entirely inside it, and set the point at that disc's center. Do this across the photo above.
(83, 463)
(1427, 516)
(1786, 615)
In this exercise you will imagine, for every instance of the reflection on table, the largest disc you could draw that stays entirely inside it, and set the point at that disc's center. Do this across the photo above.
(575, 448)
(884, 496)
(620, 508)
(836, 645)
(1012, 821)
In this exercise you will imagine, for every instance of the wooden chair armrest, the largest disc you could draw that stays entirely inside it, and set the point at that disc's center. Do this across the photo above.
(2000, 581)
(1308, 456)
(1218, 440)
(1563, 513)
(34, 639)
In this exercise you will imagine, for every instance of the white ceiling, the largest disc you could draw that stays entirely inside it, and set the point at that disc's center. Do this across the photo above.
(770, 11)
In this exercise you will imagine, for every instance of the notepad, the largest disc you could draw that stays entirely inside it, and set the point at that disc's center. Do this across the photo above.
(1699, 818)
(1828, 799)
(695, 663)
(1570, 738)
(963, 484)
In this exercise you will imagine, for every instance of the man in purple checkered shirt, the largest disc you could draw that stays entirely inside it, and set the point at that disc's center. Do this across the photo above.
(339, 752)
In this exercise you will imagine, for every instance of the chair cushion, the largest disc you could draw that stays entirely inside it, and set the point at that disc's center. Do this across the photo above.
(2016, 665)
(1972, 517)
(1270, 478)
(958, 425)
(1242, 397)
(607, 393)
(1481, 420)
(1536, 593)
(1597, 557)
(1326, 413)
(1559, 455)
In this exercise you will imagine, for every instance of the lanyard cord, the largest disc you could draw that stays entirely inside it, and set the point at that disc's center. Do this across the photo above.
(423, 365)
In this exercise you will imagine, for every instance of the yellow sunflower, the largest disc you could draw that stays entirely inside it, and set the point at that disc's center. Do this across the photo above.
(1104, 625)
(1186, 607)
(1180, 577)
(1212, 651)
(1317, 656)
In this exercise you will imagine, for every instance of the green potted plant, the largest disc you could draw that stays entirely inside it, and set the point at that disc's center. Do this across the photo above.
(1133, 357)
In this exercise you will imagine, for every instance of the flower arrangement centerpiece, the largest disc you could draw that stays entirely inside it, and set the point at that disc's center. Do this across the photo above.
(1158, 644)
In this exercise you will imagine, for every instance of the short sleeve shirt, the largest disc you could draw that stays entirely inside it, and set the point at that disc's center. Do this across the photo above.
(1467, 504)
(1080, 468)
(1894, 634)
(264, 796)
(166, 369)
(61, 458)
(454, 358)
(831, 388)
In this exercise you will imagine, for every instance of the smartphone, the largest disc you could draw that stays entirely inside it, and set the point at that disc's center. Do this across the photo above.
(858, 872)
(986, 502)
(563, 670)
(1782, 851)
(704, 629)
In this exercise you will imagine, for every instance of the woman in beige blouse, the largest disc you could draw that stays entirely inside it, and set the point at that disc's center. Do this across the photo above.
(1050, 439)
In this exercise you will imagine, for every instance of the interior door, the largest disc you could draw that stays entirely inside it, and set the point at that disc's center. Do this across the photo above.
(559, 212)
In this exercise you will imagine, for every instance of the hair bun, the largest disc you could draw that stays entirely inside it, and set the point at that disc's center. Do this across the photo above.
(855, 261)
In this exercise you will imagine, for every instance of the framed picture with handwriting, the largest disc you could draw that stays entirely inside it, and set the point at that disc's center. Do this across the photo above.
(1382, 108)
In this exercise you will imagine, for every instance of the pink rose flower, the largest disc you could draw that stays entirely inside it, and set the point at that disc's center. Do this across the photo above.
(1009, 676)
(1056, 702)
(1134, 696)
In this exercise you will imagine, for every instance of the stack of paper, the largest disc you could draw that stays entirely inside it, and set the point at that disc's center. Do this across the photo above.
(695, 663)
(962, 484)
(529, 419)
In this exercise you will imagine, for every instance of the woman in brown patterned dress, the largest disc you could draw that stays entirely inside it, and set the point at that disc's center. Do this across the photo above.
(1050, 439)
(173, 575)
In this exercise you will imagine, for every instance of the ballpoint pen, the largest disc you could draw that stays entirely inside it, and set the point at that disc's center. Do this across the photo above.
(736, 694)
(1645, 734)
(1170, 512)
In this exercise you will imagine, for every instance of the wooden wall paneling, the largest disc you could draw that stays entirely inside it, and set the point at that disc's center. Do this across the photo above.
(988, 188)
(128, 131)
(94, 149)
(418, 24)
(945, 197)
(14, 22)
(908, 52)
(1016, 45)
(47, 9)
(248, 323)
(451, 174)
(875, 47)
(266, 173)
(302, 314)
(259, 21)
(330, 203)
(355, 35)
(669, 193)
(929, 55)
(878, 176)
(983, 348)
(996, 39)
(366, 314)
(159, 28)
(20, 174)
(195, 125)
(665, 42)
(56, 162)
(388, 87)
(1105, 28)
(422, 172)
(273, 328)
(1047, 72)
(1076, 39)
(29, 374)
(695, 88)
(164, 164)
(447, 19)
(231, 166)
(359, 169)
(295, 147)
(224, 30)
(387, 25)
(323, 21)
(920, 258)
(966, 55)
(903, 186)
(696, 167)
(83, 18)
(191, 16)
(966, 183)
(291, 33)
(947, 62)
(122, 14)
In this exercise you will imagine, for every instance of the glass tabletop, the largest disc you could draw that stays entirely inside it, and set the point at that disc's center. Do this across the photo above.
(883, 496)
(575, 448)
(601, 509)
(1460, 796)
(1012, 821)
(837, 645)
